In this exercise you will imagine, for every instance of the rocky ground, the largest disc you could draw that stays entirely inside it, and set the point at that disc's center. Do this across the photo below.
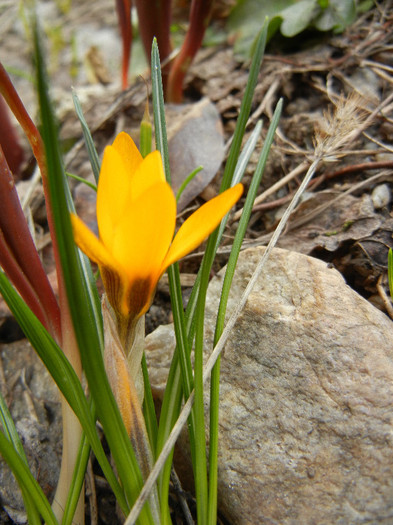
(344, 218)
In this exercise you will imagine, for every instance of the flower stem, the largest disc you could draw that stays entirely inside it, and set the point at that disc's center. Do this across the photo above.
(72, 430)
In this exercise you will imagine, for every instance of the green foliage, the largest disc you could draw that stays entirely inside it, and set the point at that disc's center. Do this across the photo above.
(82, 300)
(28, 484)
(91, 150)
(186, 380)
(291, 17)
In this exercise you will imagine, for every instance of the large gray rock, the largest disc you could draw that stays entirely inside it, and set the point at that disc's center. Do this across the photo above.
(306, 397)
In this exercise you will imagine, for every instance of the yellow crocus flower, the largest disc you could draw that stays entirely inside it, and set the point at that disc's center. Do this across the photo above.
(136, 216)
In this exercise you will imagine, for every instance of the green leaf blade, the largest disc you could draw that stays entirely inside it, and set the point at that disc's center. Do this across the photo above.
(82, 308)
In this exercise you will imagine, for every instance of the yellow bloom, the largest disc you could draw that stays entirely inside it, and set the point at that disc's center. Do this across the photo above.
(136, 216)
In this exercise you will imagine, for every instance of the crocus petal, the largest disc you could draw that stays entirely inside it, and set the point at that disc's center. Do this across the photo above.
(113, 276)
(141, 242)
(113, 193)
(145, 232)
(149, 172)
(200, 224)
(125, 146)
(90, 244)
(136, 215)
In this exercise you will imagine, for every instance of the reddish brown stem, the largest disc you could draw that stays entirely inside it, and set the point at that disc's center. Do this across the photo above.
(314, 183)
(363, 166)
(373, 165)
(15, 275)
(9, 139)
(123, 8)
(154, 21)
(199, 20)
(15, 104)
(19, 257)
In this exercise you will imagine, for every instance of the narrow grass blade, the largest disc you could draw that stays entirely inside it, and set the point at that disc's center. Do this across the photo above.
(159, 109)
(234, 162)
(237, 177)
(82, 311)
(63, 375)
(12, 435)
(200, 464)
(170, 409)
(187, 181)
(390, 271)
(26, 480)
(236, 165)
(246, 153)
(183, 348)
(243, 223)
(82, 180)
(145, 132)
(91, 149)
(173, 271)
(198, 408)
(9, 429)
(245, 108)
(240, 169)
(231, 267)
(149, 410)
(229, 171)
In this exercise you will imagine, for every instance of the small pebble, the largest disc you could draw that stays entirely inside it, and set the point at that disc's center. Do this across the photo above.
(381, 196)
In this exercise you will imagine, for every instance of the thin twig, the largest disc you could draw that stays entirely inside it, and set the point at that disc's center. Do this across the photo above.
(182, 500)
(364, 166)
(311, 215)
(384, 146)
(266, 104)
(91, 493)
(385, 298)
(271, 205)
(348, 169)
(306, 218)
(279, 184)
(378, 65)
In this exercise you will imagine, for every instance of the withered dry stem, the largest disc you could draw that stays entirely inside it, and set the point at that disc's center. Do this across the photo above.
(384, 296)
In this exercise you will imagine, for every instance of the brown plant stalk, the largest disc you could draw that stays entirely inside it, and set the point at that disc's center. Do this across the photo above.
(9, 140)
(16, 105)
(200, 15)
(123, 8)
(154, 21)
(19, 257)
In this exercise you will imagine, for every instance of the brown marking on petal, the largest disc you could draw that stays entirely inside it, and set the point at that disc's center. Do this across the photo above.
(139, 297)
(114, 289)
(129, 303)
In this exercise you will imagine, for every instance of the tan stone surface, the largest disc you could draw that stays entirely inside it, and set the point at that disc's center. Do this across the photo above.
(306, 398)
